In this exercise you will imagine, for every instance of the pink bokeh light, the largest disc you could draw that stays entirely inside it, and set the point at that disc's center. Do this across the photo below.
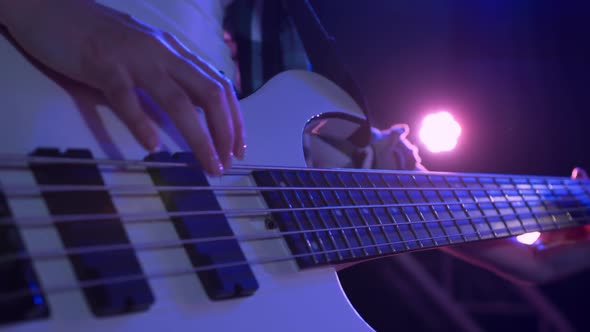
(440, 132)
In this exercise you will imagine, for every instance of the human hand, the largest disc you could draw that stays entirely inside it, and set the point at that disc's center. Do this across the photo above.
(116, 54)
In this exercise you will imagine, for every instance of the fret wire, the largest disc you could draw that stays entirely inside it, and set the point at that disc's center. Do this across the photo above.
(552, 215)
(582, 193)
(553, 218)
(511, 205)
(300, 223)
(362, 215)
(307, 214)
(569, 191)
(347, 216)
(480, 209)
(366, 199)
(392, 220)
(293, 214)
(551, 190)
(334, 216)
(464, 209)
(406, 216)
(323, 221)
(376, 216)
(533, 214)
(403, 213)
(432, 209)
(502, 191)
(537, 193)
(418, 212)
(571, 194)
(449, 211)
(495, 206)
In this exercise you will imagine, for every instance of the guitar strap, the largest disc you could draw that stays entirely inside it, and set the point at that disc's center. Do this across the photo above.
(363, 145)
(321, 49)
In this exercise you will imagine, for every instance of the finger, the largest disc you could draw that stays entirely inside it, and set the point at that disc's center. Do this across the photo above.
(174, 101)
(119, 90)
(207, 93)
(579, 173)
(239, 146)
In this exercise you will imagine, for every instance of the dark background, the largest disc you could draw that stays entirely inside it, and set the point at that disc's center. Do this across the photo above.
(514, 73)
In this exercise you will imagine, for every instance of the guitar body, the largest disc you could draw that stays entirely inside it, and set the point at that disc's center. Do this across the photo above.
(40, 110)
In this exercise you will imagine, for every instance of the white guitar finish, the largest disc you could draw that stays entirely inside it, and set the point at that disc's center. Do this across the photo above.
(36, 111)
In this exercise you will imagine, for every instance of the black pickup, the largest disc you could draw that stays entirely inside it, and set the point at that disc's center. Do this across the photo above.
(220, 283)
(108, 298)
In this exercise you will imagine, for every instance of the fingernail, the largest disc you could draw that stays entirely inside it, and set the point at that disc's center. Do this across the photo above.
(216, 166)
(241, 153)
(217, 170)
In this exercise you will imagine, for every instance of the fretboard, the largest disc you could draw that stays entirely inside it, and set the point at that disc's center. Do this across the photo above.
(335, 216)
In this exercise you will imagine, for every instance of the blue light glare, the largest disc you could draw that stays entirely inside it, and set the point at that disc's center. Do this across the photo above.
(37, 299)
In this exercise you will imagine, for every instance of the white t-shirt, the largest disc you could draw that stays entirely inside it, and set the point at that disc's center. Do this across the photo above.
(198, 24)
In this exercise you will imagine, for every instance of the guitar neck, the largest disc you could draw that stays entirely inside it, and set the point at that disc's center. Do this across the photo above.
(334, 216)
(331, 216)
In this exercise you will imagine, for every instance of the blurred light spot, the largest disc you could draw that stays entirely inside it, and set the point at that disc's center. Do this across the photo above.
(528, 238)
(440, 132)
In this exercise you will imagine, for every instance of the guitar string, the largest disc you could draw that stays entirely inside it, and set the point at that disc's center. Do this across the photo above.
(134, 162)
(179, 188)
(129, 218)
(18, 191)
(15, 295)
(151, 164)
(150, 189)
(241, 169)
(57, 254)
